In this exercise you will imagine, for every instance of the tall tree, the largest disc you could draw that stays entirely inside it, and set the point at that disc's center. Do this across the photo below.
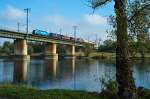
(138, 14)
(138, 24)
(127, 89)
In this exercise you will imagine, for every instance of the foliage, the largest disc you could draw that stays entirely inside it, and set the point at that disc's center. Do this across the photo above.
(108, 46)
(36, 47)
(109, 85)
(138, 23)
(139, 47)
(143, 93)
(7, 48)
(110, 89)
(138, 17)
(61, 49)
(138, 12)
(87, 49)
(97, 3)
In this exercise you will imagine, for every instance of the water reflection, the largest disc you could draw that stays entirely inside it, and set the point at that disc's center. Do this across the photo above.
(36, 72)
(51, 69)
(20, 71)
(67, 74)
(6, 71)
(142, 73)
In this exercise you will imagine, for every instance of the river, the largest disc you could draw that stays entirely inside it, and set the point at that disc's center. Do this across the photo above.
(67, 74)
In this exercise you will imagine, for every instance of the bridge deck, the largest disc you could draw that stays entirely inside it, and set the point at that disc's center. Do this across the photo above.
(30, 37)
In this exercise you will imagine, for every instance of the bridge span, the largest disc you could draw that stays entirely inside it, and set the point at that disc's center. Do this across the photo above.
(21, 45)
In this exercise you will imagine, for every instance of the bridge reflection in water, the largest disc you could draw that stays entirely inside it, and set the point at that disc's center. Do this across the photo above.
(20, 71)
(43, 73)
(66, 74)
(50, 69)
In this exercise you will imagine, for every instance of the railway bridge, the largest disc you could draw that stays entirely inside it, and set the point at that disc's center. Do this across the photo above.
(21, 45)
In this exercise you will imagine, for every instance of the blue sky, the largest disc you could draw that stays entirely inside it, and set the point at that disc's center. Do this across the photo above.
(51, 15)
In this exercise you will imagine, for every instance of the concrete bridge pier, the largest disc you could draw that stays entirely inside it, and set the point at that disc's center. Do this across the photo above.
(51, 51)
(21, 49)
(70, 52)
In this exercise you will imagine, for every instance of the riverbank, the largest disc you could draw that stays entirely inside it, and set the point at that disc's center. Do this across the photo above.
(109, 55)
(80, 55)
(102, 55)
(23, 92)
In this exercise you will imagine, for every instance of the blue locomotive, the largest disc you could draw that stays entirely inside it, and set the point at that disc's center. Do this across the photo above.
(56, 36)
(40, 32)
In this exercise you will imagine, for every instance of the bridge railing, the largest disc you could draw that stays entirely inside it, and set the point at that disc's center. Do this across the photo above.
(14, 30)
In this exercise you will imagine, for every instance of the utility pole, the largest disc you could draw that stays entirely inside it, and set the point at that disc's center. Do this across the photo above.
(96, 40)
(75, 32)
(60, 31)
(88, 39)
(18, 26)
(27, 10)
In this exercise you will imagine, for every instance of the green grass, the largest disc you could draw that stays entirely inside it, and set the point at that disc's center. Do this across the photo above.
(23, 92)
(108, 55)
(98, 55)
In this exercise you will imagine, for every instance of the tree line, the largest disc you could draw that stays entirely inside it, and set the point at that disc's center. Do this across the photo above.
(141, 46)
(8, 48)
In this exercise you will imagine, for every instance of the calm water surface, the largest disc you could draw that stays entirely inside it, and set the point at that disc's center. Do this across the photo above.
(67, 74)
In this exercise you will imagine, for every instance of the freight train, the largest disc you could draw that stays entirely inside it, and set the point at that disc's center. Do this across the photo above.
(56, 36)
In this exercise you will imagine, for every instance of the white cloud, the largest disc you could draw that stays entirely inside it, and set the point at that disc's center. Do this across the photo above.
(95, 19)
(12, 13)
(59, 21)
